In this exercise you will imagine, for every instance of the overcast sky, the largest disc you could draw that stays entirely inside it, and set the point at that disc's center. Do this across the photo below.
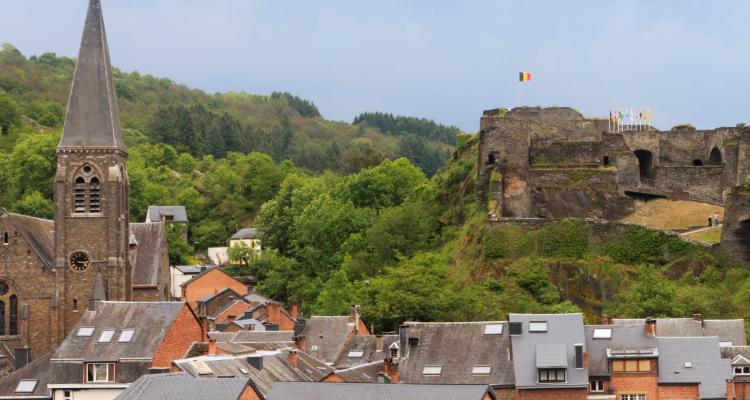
(445, 60)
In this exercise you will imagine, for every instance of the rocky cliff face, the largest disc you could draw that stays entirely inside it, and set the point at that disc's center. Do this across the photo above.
(735, 237)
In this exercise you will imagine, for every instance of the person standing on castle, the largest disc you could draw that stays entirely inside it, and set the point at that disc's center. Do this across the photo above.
(716, 219)
(710, 221)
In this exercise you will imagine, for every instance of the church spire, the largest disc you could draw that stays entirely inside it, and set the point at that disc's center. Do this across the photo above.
(93, 119)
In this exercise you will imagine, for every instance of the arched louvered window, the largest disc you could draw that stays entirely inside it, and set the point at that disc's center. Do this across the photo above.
(94, 195)
(13, 325)
(87, 191)
(80, 195)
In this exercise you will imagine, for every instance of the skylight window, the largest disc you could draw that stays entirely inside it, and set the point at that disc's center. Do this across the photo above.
(26, 386)
(85, 331)
(202, 368)
(355, 354)
(106, 336)
(602, 333)
(126, 336)
(538, 326)
(314, 347)
(435, 370)
(481, 370)
(688, 364)
(726, 344)
(493, 329)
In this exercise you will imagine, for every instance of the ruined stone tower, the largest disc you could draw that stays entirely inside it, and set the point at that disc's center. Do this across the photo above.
(91, 186)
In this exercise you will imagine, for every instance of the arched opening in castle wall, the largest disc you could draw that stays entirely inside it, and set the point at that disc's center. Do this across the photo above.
(645, 164)
(715, 157)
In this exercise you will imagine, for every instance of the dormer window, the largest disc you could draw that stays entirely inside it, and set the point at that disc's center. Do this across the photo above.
(742, 370)
(552, 375)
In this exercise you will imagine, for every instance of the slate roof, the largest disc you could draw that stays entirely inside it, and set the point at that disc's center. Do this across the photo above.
(275, 368)
(193, 269)
(38, 369)
(457, 347)
(183, 387)
(245, 233)
(93, 118)
(326, 336)
(368, 346)
(623, 337)
(155, 213)
(374, 391)
(250, 337)
(146, 259)
(706, 365)
(728, 330)
(257, 298)
(365, 373)
(149, 319)
(39, 233)
(564, 329)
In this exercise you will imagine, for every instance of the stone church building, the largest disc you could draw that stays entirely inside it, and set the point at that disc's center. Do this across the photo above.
(52, 271)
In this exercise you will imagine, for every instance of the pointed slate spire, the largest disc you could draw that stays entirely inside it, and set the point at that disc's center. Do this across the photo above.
(93, 119)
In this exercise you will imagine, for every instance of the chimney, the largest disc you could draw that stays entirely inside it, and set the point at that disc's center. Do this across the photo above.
(355, 317)
(256, 362)
(403, 341)
(606, 319)
(299, 326)
(379, 343)
(211, 347)
(300, 343)
(294, 310)
(274, 313)
(698, 317)
(23, 356)
(391, 370)
(650, 327)
(293, 358)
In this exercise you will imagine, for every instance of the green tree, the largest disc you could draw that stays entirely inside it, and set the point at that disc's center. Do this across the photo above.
(9, 114)
(418, 289)
(36, 205)
(243, 253)
(651, 295)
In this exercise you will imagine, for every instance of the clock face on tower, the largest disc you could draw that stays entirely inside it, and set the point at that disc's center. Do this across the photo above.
(79, 261)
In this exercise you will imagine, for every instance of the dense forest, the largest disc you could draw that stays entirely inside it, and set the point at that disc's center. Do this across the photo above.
(345, 218)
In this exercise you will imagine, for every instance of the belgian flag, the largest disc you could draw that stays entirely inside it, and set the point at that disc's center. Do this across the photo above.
(524, 76)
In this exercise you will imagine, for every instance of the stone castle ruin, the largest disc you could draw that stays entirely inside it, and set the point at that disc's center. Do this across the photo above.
(554, 163)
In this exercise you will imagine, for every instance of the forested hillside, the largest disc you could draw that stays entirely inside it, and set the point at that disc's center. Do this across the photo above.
(344, 220)
(34, 92)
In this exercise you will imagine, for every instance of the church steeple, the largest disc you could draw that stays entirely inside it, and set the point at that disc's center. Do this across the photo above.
(93, 119)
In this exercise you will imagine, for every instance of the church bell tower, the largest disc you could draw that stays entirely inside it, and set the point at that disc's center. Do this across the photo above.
(91, 186)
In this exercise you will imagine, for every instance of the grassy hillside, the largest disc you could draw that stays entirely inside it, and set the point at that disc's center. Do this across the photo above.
(34, 92)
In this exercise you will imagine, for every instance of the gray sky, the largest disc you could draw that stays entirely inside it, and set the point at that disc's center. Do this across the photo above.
(447, 60)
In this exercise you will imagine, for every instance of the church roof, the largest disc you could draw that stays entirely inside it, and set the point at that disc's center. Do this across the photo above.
(93, 118)
(146, 259)
(39, 233)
